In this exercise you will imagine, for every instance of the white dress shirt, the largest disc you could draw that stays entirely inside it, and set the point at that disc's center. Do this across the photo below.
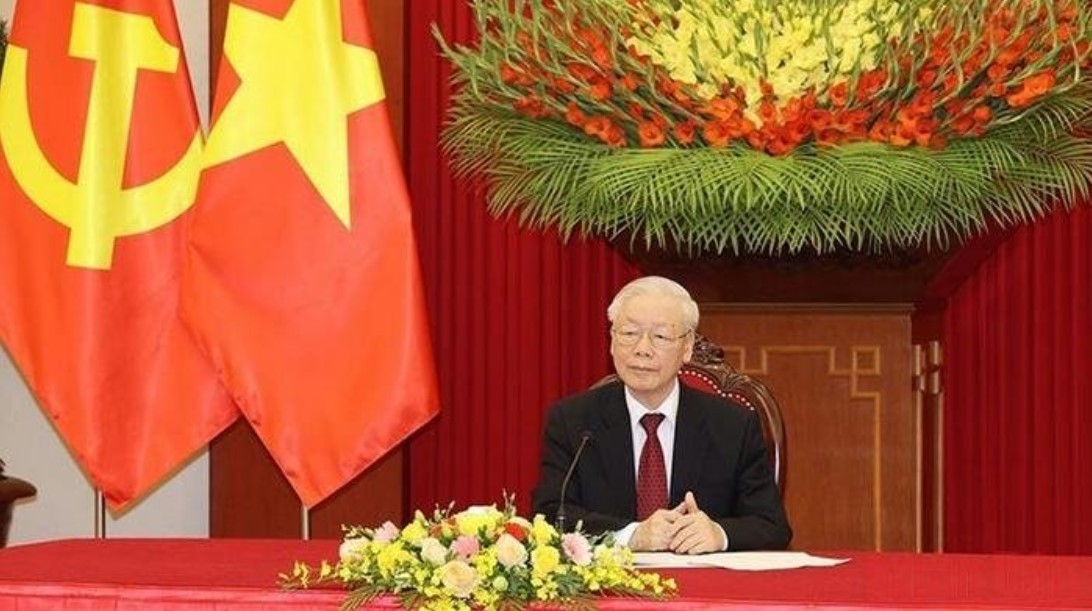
(666, 434)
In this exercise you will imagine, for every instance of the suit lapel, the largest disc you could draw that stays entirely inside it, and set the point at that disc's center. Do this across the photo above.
(616, 449)
(690, 447)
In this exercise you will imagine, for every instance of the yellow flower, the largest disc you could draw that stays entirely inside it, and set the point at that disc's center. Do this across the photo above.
(542, 531)
(794, 44)
(414, 532)
(545, 560)
(474, 521)
(390, 556)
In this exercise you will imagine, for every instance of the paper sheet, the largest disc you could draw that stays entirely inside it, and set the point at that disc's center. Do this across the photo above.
(738, 561)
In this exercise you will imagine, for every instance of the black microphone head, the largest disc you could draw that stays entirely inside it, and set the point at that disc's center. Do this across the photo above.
(586, 436)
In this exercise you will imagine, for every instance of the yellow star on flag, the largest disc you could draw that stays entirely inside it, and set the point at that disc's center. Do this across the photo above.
(299, 82)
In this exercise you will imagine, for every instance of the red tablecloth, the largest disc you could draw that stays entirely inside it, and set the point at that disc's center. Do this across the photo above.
(241, 575)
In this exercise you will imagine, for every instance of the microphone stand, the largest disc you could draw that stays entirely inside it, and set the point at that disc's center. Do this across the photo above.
(559, 521)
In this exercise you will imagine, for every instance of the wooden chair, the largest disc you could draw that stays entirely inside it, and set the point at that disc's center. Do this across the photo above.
(708, 372)
(11, 490)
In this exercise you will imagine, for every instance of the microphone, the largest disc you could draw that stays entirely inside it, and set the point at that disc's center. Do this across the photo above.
(585, 437)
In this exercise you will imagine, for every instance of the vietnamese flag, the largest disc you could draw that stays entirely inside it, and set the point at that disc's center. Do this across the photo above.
(303, 283)
(100, 151)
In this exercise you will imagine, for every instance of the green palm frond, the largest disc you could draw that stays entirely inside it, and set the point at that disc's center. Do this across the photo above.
(860, 195)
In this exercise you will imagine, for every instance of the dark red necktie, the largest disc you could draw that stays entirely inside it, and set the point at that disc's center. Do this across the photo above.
(651, 474)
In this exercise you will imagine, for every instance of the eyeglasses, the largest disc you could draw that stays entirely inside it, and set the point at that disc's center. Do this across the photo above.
(658, 339)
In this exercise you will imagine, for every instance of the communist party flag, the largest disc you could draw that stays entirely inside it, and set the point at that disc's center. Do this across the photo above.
(101, 152)
(303, 283)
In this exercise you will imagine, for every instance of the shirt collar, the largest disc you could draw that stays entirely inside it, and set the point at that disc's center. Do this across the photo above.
(669, 407)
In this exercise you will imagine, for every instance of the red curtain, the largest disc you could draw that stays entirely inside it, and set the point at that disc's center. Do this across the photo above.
(1018, 411)
(518, 316)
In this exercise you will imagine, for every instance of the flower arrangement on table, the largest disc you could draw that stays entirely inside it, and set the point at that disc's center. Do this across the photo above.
(479, 558)
(774, 125)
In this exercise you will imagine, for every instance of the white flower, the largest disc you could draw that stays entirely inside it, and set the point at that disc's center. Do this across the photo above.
(352, 549)
(386, 533)
(433, 552)
(459, 578)
(510, 552)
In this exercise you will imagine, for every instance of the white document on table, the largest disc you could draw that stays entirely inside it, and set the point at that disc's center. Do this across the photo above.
(737, 561)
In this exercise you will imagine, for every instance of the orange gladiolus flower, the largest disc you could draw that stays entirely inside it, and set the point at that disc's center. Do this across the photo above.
(1039, 83)
(650, 134)
(574, 115)
(597, 126)
(722, 108)
(926, 78)
(778, 147)
(819, 119)
(615, 136)
(1034, 87)
(532, 106)
(717, 133)
(684, 131)
(600, 89)
(839, 94)
(870, 83)
(563, 85)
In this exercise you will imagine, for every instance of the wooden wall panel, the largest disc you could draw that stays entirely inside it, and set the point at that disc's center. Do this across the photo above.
(248, 495)
(842, 375)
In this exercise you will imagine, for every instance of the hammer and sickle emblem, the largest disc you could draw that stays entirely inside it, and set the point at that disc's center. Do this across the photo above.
(96, 209)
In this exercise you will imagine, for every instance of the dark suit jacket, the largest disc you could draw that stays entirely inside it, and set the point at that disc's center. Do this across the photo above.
(719, 456)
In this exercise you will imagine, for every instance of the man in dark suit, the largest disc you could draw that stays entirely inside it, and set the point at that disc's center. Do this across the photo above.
(664, 467)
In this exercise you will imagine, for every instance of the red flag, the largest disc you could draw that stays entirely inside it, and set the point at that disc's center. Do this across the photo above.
(101, 151)
(303, 283)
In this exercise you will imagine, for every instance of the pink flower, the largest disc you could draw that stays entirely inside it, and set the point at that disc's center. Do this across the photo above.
(576, 548)
(386, 533)
(465, 547)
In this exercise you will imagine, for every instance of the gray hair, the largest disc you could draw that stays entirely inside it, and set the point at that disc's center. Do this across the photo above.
(656, 285)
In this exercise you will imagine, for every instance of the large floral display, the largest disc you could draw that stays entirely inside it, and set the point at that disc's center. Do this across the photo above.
(774, 125)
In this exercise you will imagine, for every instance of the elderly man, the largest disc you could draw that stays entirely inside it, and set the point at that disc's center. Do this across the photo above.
(664, 467)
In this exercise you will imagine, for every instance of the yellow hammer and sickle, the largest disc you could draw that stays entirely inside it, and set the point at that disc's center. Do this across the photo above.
(97, 210)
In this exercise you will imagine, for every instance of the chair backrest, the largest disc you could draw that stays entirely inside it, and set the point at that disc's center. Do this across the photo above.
(708, 372)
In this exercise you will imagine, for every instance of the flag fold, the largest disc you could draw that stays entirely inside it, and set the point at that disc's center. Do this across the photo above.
(100, 154)
(303, 283)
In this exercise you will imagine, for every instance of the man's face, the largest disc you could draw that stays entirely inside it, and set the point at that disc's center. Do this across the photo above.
(649, 344)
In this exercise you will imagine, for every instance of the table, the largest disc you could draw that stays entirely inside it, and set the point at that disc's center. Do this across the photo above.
(241, 575)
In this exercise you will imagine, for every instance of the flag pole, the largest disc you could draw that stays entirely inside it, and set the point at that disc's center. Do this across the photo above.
(100, 514)
(305, 522)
